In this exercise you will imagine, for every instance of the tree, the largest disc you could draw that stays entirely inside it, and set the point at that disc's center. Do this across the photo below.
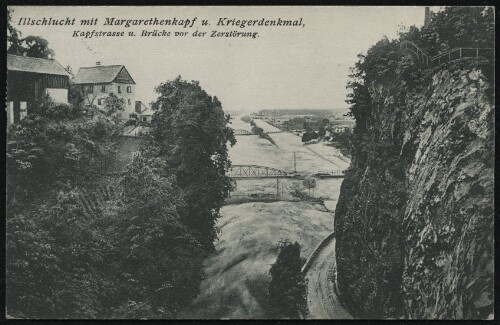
(310, 184)
(246, 119)
(37, 47)
(191, 132)
(42, 150)
(113, 105)
(14, 41)
(56, 265)
(322, 130)
(33, 46)
(287, 289)
(307, 126)
(75, 95)
(160, 261)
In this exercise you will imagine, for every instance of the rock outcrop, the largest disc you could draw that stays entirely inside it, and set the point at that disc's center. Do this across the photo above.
(415, 216)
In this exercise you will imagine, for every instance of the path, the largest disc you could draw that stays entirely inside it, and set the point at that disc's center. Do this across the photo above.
(322, 300)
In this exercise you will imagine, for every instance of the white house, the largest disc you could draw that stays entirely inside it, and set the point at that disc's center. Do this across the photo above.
(99, 81)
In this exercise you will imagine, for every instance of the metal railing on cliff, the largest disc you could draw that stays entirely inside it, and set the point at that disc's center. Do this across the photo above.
(449, 56)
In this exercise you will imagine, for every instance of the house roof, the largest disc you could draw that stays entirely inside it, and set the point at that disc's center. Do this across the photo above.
(98, 74)
(35, 65)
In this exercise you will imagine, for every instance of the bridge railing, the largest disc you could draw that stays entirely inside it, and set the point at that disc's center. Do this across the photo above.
(421, 55)
(254, 171)
(449, 56)
(332, 172)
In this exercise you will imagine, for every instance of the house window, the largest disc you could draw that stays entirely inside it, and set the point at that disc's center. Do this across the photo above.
(103, 89)
(90, 89)
(99, 101)
(119, 89)
(129, 89)
(129, 102)
(144, 119)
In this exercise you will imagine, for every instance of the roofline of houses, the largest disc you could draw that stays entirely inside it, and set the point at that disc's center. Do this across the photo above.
(32, 58)
(105, 66)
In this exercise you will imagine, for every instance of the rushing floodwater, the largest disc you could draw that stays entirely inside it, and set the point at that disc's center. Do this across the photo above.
(237, 277)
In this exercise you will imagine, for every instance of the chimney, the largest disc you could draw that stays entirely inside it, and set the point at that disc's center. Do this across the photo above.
(427, 18)
(99, 62)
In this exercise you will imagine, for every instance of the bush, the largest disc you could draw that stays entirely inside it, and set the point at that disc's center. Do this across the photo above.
(308, 136)
(46, 107)
(247, 119)
(287, 289)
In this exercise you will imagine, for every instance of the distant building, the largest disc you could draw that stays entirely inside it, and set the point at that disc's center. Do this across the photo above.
(340, 129)
(98, 82)
(143, 112)
(146, 116)
(29, 79)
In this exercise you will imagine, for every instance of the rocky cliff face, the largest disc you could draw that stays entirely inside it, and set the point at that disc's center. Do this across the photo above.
(415, 216)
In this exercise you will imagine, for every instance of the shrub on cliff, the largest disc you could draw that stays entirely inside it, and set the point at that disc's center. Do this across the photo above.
(287, 289)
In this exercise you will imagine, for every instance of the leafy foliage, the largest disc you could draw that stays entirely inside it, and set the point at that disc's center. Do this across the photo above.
(246, 119)
(260, 132)
(46, 107)
(342, 141)
(113, 105)
(76, 251)
(33, 46)
(308, 136)
(75, 94)
(287, 289)
(455, 26)
(191, 132)
(160, 259)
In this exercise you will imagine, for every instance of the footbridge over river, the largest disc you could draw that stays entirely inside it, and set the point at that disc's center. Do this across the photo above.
(254, 171)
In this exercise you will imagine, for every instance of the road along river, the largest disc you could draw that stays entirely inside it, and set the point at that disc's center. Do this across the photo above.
(322, 299)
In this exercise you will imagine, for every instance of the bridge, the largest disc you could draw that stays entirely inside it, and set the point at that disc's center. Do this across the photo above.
(452, 55)
(253, 171)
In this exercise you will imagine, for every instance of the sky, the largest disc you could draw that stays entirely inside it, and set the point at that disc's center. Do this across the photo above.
(285, 67)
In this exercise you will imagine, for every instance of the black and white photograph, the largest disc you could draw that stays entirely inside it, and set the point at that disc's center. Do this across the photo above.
(249, 162)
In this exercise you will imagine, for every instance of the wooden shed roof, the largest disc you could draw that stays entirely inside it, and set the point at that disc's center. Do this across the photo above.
(35, 65)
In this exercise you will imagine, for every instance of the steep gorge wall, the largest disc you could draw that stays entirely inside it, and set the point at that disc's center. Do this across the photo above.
(414, 220)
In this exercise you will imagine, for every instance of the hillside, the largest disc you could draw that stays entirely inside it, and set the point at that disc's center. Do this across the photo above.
(415, 217)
